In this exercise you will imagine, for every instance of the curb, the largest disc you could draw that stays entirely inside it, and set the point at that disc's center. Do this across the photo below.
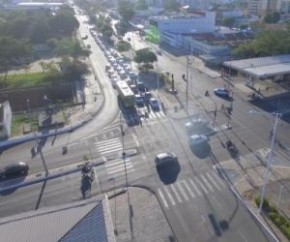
(269, 234)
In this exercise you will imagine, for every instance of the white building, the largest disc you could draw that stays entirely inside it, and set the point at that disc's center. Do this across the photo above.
(192, 23)
(5, 120)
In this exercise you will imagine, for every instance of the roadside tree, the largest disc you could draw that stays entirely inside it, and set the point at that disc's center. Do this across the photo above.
(145, 57)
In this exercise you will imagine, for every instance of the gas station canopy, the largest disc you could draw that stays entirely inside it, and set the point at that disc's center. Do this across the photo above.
(262, 67)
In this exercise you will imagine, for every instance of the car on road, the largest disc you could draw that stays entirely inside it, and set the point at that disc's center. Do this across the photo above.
(197, 139)
(139, 100)
(196, 124)
(154, 103)
(158, 52)
(165, 158)
(14, 170)
(141, 87)
(222, 92)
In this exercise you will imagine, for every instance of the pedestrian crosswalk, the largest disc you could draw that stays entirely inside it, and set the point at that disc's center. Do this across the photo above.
(135, 118)
(190, 188)
(108, 147)
(119, 167)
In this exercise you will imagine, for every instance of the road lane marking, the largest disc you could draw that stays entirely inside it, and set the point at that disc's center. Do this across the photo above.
(176, 193)
(169, 195)
(115, 140)
(182, 191)
(218, 179)
(188, 189)
(201, 185)
(109, 148)
(115, 163)
(162, 198)
(194, 187)
(212, 181)
(206, 182)
(120, 169)
(136, 140)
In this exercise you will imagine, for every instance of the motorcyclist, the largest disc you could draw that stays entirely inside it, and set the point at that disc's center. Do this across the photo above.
(229, 144)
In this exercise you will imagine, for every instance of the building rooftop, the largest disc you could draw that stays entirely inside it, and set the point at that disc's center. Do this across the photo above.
(262, 67)
(87, 220)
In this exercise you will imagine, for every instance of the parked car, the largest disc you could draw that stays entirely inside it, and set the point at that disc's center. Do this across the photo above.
(197, 139)
(222, 92)
(165, 158)
(154, 103)
(14, 170)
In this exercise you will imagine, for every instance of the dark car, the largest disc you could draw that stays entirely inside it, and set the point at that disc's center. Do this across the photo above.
(14, 170)
(222, 92)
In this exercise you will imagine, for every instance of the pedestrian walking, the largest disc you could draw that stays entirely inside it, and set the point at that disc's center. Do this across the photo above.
(140, 122)
(223, 107)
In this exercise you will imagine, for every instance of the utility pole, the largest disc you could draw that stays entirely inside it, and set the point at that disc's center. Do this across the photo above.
(187, 80)
(269, 161)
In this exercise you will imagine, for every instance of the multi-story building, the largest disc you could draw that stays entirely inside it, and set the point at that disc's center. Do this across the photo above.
(262, 7)
(190, 23)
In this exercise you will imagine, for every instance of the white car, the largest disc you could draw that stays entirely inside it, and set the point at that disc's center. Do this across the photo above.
(196, 124)
(197, 139)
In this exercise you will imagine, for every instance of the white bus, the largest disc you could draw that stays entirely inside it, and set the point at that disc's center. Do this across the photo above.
(126, 95)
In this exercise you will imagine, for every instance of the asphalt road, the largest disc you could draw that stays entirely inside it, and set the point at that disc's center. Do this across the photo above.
(195, 198)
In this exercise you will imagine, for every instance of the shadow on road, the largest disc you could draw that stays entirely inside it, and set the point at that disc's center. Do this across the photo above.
(202, 151)
(11, 182)
(168, 173)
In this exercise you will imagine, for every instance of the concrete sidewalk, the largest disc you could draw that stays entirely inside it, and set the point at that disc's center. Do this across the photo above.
(246, 175)
(138, 217)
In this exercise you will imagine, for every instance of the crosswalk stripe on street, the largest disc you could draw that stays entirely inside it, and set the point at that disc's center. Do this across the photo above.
(182, 191)
(176, 193)
(108, 146)
(190, 188)
(201, 185)
(169, 195)
(212, 181)
(162, 198)
(207, 183)
(218, 179)
(115, 167)
(195, 187)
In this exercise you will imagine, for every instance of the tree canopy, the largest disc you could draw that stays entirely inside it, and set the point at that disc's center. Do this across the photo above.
(38, 26)
(141, 5)
(267, 43)
(171, 5)
(145, 56)
(126, 10)
(272, 18)
(12, 52)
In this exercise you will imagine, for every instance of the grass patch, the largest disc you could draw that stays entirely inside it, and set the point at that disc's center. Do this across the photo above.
(18, 120)
(26, 80)
(280, 220)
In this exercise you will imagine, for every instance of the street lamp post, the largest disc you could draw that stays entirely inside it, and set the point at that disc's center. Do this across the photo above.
(269, 161)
